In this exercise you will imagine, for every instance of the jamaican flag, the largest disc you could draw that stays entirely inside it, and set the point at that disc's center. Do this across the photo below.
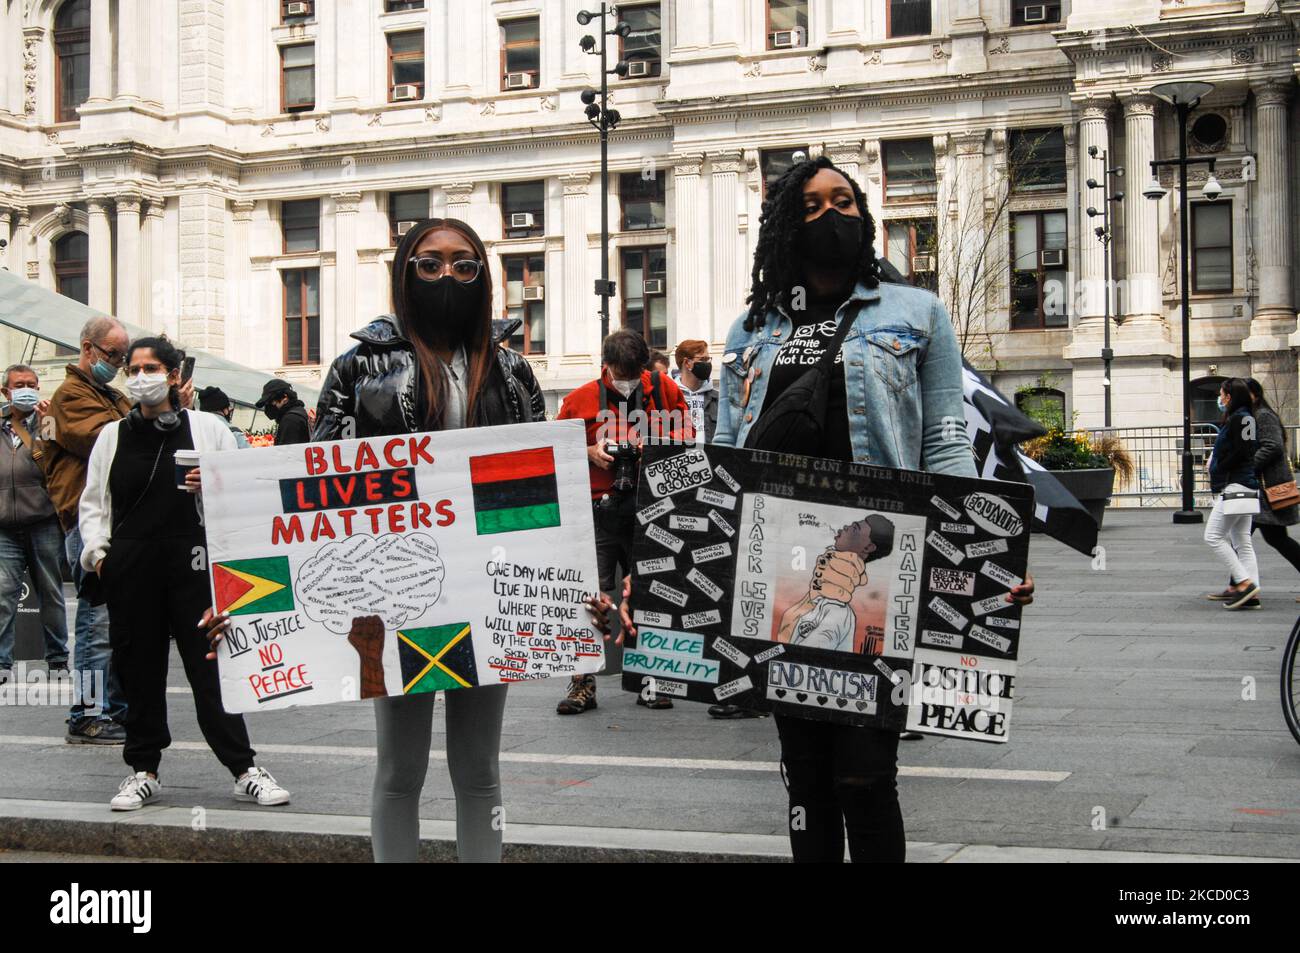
(515, 490)
(253, 586)
(436, 658)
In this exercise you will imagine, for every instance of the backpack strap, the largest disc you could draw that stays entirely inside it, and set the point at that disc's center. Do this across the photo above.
(33, 448)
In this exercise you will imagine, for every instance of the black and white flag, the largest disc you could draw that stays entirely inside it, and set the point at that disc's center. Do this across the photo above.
(995, 428)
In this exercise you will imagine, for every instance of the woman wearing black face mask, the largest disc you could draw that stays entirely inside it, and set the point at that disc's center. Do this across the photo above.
(894, 387)
(433, 364)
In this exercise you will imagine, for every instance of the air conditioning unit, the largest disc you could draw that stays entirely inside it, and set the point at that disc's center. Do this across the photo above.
(521, 220)
(785, 39)
(638, 68)
(1054, 258)
(519, 80)
(406, 91)
(534, 293)
(922, 263)
(652, 286)
(404, 227)
(297, 10)
(1036, 13)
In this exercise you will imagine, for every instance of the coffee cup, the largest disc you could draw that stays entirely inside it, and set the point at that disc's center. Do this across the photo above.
(186, 460)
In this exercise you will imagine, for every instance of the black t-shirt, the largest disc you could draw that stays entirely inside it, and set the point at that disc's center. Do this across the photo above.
(814, 330)
(162, 511)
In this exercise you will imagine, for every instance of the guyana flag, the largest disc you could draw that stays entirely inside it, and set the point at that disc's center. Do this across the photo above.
(514, 491)
(253, 586)
(436, 658)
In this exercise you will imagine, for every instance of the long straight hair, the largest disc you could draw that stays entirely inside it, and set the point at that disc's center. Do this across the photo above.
(1238, 396)
(478, 342)
(1257, 392)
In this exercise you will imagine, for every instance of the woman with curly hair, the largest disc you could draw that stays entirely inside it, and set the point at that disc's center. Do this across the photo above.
(894, 400)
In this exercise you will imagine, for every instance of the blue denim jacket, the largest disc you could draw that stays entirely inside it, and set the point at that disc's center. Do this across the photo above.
(902, 372)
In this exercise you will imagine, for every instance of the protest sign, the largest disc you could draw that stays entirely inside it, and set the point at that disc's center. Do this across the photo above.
(398, 565)
(826, 590)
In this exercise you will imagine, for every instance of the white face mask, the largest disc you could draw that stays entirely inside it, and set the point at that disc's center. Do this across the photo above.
(626, 387)
(149, 389)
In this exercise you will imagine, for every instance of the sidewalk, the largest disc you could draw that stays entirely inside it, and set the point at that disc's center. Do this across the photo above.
(1131, 739)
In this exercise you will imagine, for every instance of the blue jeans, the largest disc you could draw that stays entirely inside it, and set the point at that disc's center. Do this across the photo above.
(34, 547)
(91, 653)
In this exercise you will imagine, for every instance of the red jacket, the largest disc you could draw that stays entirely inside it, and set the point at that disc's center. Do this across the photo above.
(584, 404)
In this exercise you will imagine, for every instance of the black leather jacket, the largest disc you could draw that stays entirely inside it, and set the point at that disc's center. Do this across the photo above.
(375, 384)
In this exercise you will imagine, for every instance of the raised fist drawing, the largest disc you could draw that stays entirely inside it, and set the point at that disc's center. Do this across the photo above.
(367, 637)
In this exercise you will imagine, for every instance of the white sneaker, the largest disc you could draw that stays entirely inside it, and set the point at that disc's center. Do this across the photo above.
(258, 786)
(135, 792)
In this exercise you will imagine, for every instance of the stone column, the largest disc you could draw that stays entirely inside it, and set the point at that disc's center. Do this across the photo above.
(128, 260)
(101, 53)
(581, 325)
(728, 295)
(346, 205)
(1142, 305)
(101, 256)
(458, 196)
(965, 195)
(241, 309)
(5, 252)
(847, 155)
(128, 54)
(19, 261)
(154, 280)
(1274, 310)
(1094, 130)
(690, 247)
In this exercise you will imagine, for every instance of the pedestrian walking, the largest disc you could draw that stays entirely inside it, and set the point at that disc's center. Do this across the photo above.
(1235, 489)
(888, 359)
(1279, 502)
(141, 531)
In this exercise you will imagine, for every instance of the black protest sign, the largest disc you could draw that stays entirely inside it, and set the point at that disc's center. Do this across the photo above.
(826, 590)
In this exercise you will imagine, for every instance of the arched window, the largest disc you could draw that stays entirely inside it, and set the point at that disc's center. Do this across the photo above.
(1044, 404)
(1205, 397)
(72, 59)
(72, 266)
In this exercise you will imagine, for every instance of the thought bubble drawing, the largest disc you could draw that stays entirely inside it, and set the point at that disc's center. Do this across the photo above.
(397, 578)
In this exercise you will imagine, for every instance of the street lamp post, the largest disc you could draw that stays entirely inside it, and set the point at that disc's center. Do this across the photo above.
(1184, 97)
(1103, 235)
(603, 119)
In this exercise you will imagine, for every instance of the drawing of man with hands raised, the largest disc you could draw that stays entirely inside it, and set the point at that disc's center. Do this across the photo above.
(824, 618)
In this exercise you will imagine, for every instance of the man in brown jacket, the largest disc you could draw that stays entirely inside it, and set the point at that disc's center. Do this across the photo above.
(80, 408)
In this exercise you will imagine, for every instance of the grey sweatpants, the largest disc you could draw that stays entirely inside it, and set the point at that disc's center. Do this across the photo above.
(404, 726)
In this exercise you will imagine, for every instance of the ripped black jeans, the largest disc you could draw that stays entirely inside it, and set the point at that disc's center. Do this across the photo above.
(841, 778)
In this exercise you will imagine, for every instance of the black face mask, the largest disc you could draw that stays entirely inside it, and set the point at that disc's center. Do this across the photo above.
(445, 309)
(831, 240)
(273, 412)
(703, 370)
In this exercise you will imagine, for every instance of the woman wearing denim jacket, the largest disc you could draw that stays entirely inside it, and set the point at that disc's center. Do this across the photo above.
(1232, 467)
(895, 401)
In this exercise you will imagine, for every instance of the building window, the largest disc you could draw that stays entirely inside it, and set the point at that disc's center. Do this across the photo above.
(643, 200)
(296, 11)
(396, 6)
(300, 222)
(910, 247)
(405, 66)
(1038, 158)
(72, 267)
(909, 169)
(404, 210)
(1209, 133)
(525, 277)
(641, 48)
(297, 77)
(1205, 400)
(523, 209)
(72, 59)
(787, 24)
(907, 18)
(775, 163)
(645, 294)
(521, 54)
(301, 315)
(1039, 271)
(1044, 404)
(1030, 12)
(1211, 247)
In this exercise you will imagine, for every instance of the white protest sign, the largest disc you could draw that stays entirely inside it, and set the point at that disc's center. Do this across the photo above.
(400, 565)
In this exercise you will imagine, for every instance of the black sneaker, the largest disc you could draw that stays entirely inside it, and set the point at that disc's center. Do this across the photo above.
(1242, 597)
(55, 668)
(734, 711)
(1253, 603)
(95, 731)
(660, 702)
(910, 736)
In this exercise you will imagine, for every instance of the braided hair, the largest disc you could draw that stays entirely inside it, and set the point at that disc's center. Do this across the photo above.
(777, 258)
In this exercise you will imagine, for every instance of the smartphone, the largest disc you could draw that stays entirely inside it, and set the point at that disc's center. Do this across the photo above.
(187, 369)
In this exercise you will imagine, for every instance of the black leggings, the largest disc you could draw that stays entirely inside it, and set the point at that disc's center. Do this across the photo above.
(841, 777)
(1277, 537)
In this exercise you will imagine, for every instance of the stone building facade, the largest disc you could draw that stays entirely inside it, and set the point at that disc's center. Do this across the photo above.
(235, 172)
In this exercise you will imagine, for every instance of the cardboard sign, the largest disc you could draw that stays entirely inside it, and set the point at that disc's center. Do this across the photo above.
(398, 565)
(832, 591)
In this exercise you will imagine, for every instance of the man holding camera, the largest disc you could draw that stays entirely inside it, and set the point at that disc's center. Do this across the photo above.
(625, 408)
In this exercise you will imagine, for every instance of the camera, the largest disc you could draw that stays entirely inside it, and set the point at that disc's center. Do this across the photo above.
(627, 458)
